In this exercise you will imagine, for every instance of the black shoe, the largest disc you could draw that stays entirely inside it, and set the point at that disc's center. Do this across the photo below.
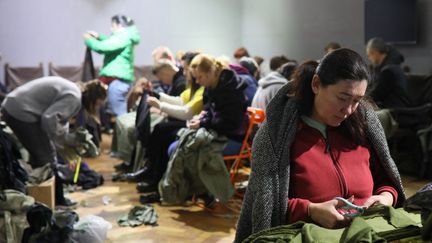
(67, 204)
(124, 166)
(151, 198)
(209, 200)
(146, 186)
(118, 176)
(138, 175)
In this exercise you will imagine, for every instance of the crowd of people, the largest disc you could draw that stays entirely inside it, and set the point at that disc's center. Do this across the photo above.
(322, 138)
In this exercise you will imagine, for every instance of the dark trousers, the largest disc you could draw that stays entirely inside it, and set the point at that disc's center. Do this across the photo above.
(34, 139)
(41, 149)
(157, 150)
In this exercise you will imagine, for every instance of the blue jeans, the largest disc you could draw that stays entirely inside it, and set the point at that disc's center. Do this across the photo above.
(232, 148)
(117, 96)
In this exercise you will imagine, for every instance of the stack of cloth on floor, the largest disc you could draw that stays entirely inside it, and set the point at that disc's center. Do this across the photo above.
(69, 158)
(26, 221)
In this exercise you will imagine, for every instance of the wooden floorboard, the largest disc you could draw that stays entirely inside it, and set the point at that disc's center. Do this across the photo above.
(187, 223)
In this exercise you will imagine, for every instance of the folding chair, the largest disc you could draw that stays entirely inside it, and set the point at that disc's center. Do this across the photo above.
(15, 76)
(415, 123)
(256, 116)
(72, 73)
(145, 71)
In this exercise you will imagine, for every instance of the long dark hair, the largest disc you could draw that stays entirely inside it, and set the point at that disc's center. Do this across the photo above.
(341, 64)
(301, 78)
(122, 20)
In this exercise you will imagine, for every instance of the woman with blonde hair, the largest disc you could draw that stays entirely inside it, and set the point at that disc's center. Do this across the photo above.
(224, 110)
(224, 101)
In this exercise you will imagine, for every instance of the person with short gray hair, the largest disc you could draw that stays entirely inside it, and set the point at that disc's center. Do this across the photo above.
(388, 89)
(331, 46)
(251, 65)
(170, 75)
(377, 44)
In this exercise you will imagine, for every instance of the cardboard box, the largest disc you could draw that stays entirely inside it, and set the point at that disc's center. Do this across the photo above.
(44, 192)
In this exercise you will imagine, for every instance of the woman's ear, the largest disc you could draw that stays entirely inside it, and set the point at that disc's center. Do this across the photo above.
(316, 82)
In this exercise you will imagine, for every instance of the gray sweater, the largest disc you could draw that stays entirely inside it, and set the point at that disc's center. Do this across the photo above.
(268, 88)
(266, 200)
(48, 100)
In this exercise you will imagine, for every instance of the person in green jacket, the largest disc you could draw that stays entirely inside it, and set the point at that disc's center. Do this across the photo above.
(118, 64)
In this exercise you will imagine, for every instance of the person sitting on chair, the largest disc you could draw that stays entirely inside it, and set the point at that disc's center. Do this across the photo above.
(180, 109)
(322, 140)
(388, 89)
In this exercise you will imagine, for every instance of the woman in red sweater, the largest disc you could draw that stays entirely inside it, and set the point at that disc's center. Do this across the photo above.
(330, 154)
(320, 142)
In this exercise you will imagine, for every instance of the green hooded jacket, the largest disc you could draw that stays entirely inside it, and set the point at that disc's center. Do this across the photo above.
(119, 52)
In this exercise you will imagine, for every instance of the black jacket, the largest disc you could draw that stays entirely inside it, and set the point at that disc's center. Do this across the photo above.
(178, 85)
(393, 57)
(389, 89)
(226, 106)
(142, 120)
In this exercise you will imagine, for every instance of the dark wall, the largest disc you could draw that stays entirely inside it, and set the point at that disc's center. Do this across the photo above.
(419, 56)
(301, 29)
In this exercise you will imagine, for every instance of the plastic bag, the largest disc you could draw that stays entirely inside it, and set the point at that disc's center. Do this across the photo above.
(91, 229)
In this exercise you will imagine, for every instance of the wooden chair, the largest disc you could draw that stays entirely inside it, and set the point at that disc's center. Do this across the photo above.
(145, 71)
(16, 76)
(256, 116)
(72, 73)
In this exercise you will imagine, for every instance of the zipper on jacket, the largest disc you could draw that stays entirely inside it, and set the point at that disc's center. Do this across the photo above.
(338, 169)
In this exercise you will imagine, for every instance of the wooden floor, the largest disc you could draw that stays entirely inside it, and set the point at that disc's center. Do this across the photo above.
(176, 224)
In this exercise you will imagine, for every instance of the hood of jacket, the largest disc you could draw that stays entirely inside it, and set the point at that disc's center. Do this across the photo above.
(239, 69)
(134, 34)
(272, 78)
(229, 80)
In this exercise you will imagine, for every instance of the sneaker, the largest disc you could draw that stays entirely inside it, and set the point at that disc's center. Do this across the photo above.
(67, 204)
